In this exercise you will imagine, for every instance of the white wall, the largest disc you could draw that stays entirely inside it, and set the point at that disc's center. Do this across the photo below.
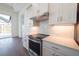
(15, 25)
(43, 28)
(22, 12)
(4, 9)
(64, 31)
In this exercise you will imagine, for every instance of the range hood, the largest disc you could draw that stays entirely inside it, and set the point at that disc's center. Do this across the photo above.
(43, 17)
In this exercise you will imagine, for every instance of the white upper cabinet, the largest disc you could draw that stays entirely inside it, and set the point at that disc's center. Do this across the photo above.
(69, 13)
(55, 12)
(62, 13)
(39, 8)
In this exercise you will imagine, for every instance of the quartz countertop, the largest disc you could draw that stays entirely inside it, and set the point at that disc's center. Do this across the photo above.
(62, 41)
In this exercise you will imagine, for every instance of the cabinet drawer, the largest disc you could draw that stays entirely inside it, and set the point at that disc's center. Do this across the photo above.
(24, 41)
(51, 46)
(61, 49)
(49, 52)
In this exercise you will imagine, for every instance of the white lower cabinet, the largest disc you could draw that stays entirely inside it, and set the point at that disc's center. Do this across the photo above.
(25, 42)
(24, 37)
(52, 49)
(49, 52)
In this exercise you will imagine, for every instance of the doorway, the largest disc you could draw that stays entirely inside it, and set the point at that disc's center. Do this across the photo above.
(5, 26)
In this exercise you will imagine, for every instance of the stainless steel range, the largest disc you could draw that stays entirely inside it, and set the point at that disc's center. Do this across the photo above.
(35, 44)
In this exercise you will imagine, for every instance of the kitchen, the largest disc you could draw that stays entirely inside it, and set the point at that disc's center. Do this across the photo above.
(50, 29)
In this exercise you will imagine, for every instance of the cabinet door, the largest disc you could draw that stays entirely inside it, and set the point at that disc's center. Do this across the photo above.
(25, 37)
(47, 52)
(25, 42)
(69, 12)
(55, 13)
(60, 50)
(62, 13)
(50, 52)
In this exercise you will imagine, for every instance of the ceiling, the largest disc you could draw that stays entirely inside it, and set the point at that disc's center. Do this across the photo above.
(17, 6)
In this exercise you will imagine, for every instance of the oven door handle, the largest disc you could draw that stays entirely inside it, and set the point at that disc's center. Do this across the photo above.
(32, 53)
(34, 41)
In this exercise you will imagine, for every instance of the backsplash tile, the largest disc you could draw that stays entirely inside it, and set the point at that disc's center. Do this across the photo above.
(62, 31)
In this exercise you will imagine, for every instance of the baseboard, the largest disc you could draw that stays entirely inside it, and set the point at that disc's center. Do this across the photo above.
(20, 37)
(17, 37)
(9, 37)
(12, 37)
(5, 37)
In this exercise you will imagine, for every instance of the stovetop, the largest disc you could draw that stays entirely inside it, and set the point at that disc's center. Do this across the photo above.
(38, 36)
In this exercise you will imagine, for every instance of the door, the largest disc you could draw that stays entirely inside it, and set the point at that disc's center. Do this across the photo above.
(5, 26)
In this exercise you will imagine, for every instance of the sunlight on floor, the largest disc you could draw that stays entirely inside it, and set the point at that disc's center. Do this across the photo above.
(4, 35)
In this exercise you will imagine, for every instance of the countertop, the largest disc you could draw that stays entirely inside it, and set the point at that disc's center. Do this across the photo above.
(62, 41)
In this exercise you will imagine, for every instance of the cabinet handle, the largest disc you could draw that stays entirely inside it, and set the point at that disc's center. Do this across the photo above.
(55, 48)
(59, 19)
(54, 54)
(38, 11)
(25, 40)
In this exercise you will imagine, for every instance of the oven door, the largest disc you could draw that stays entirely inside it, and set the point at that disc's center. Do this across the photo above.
(35, 47)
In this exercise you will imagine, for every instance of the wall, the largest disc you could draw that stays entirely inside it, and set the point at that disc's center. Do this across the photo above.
(15, 25)
(20, 25)
(22, 12)
(25, 29)
(43, 27)
(64, 31)
(4, 9)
